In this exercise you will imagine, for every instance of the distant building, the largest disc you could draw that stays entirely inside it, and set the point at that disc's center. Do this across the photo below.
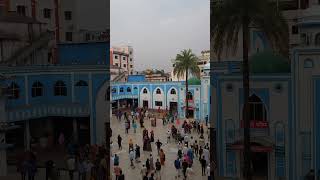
(203, 59)
(156, 75)
(123, 58)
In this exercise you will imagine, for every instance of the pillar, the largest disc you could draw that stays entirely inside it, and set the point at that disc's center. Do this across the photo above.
(3, 156)
(75, 129)
(27, 135)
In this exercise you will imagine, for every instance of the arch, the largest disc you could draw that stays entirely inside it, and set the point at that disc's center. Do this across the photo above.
(37, 89)
(114, 90)
(60, 89)
(317, 39)
(189, 95)
(81, 83)
(308, 63)
(173, 91)
(14, 91)
(145, 91)
(257, 107)
(128, 89)
(158, 91)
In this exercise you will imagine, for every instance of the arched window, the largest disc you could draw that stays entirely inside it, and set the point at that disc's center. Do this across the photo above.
(60, 89)
(37, 89)
(13, 90)
(121, 89)
(308, 63)
(114, 90)
(128, 89)
(257, 109)
(317, 40)
(158, 91)
(189, 96)
(135, 88)
(145, 91)
(173, 91)
(81, 83)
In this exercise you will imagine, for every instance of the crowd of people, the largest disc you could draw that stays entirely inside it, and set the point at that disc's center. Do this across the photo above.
(187, 135)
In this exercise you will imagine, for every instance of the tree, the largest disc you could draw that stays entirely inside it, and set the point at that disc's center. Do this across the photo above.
(185, 63)
(228, 18)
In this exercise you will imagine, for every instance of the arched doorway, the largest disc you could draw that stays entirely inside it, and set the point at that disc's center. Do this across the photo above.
(190, 105)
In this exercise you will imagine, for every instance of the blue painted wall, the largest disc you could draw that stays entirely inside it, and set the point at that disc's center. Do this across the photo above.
(136, 78)
(84, 53)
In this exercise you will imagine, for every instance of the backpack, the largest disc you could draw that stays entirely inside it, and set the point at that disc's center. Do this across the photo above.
(177, 164)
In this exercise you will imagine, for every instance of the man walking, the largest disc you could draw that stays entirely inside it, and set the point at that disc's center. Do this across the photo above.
(158, 169)
(119, 142)
(158, 144)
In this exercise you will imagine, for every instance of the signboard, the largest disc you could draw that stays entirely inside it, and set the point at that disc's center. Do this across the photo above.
(257, 124)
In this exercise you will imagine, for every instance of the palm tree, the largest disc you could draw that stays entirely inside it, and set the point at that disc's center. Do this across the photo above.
(228, 18)
(185, 63)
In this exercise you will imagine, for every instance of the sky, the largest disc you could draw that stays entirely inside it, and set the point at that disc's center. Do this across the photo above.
(159, 29)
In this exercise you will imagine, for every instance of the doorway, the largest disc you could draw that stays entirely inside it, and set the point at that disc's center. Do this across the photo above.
(190, 113)
(260, 165)
(145, 104)
(173, 106)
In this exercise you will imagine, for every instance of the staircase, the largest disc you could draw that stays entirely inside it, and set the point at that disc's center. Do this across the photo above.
(120, 77)
(22, 53)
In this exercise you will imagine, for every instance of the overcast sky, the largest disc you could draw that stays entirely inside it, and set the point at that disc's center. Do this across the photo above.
(159, 29)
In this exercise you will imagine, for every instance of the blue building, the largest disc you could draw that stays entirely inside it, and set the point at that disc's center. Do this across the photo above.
(69, 98)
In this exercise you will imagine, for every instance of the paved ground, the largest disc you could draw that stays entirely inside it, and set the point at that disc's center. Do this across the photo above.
(168, 171)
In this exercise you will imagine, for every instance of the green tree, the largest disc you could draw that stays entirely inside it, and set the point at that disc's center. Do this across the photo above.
(185, 63)
(231, 17)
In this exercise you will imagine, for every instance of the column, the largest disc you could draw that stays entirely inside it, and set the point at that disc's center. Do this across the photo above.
(3, 156)
(27, 135)
(75, 129)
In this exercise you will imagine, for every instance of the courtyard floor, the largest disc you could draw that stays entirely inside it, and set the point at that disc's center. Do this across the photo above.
(168, 171)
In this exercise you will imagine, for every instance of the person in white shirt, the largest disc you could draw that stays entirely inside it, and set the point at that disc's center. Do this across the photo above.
(189, 173)
(206, 154)
(71, 164)
(208, 170)
(143, 170)
(186, 140)
(185, 150)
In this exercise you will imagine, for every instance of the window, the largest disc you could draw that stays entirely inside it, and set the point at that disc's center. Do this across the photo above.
(67, 15)
(81, 83)
(173, 91)
(121, 89)
(117, 64)
(68, 36)
(37, 89)
(317, 40)
(294, 29)
(13, 91)
(130, 59)
(114, 90)
(128, 89)
(130, 52)
(124, 65)
(131, 66)
(60, 89)
(124, 58)
(116, 57)
(158, 91)
(189, 96)
(308, 63)
(88, 37)
(21, 10)
(158, 103)
(47, 13)
(257, 109)
(135, 88)
(145, 91)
